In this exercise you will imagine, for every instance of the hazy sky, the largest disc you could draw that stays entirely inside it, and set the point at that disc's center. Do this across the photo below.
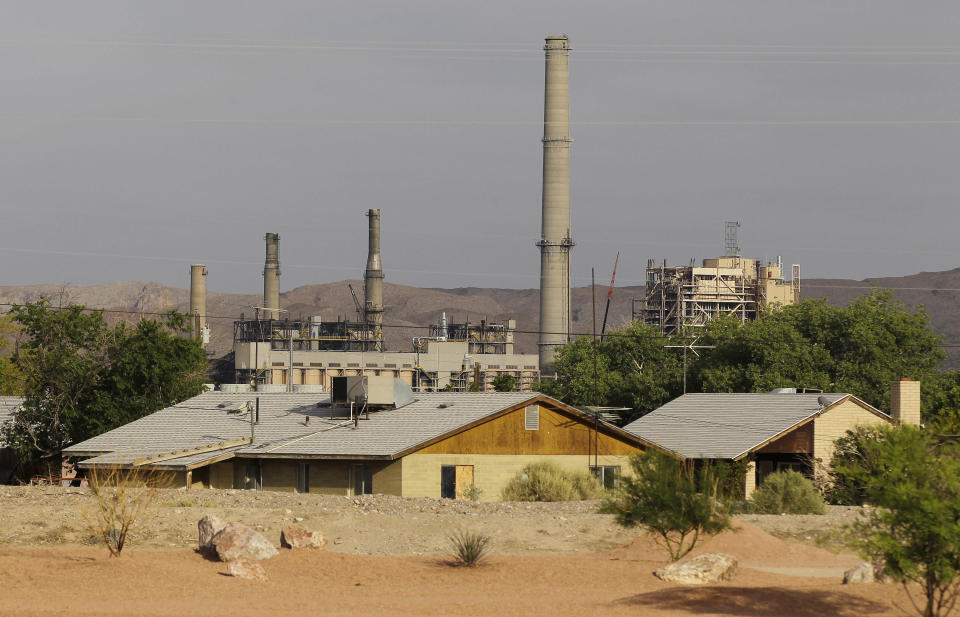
(137, 138)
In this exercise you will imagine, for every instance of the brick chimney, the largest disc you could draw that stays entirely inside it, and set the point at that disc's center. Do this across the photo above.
(905, 401)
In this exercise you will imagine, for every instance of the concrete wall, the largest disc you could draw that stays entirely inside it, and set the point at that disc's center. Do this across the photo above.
(835, 423)
(491, 472)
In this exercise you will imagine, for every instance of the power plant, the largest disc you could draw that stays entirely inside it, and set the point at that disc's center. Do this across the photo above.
(679, 297)
(555, 241)
(306, 354)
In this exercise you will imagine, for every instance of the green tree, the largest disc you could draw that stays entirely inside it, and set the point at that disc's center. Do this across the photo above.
(634, 370)
(914, 483)
(674, 499)
(858, 349)
(504, 382)
(82, 377)
(11, 382)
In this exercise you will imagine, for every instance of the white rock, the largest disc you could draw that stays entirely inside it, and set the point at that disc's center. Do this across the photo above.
(862, 573)
(703, 569)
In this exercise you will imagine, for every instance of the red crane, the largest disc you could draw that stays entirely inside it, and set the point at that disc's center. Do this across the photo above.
(609, 298)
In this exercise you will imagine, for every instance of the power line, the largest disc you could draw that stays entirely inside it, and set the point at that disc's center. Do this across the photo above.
(385, 326)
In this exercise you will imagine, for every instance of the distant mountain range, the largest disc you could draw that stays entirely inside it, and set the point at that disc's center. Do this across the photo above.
(410, 309)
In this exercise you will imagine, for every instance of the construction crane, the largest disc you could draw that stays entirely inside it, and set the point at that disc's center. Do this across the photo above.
(609, 298)
(356, 302)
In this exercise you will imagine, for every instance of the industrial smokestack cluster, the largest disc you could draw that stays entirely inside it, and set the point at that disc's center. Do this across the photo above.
(373, 282)
(555, 240)
(198, 301)
(271, 278)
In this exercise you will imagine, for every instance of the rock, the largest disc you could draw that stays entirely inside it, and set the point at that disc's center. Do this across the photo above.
(209, 526)
(295, 536)
(703, 569)
(237, 541)
(862, 573)
(251, 570)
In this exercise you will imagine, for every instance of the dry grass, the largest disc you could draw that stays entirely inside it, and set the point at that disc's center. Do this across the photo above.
(124, 499)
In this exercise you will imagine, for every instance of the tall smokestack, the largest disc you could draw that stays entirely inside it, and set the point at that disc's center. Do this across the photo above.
(555, 241)
(373, 282)
(198, 299)
(271, 278)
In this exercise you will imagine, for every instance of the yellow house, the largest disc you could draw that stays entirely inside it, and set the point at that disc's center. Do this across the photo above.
(776, 431)
(439, 445)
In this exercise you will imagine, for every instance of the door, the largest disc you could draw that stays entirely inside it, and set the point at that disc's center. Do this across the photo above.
(251, 477)
(456, 481)
(464, 481)
(448, 482)
(361, 480)
(303, 477)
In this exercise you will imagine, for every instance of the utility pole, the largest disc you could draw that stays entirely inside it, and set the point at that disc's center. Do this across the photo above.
(692, 347)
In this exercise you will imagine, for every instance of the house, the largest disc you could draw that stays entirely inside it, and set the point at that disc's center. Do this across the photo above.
(775, 431)
(444, 444)
(8, 462)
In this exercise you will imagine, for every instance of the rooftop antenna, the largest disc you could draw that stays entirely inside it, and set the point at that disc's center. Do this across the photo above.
(730, 243)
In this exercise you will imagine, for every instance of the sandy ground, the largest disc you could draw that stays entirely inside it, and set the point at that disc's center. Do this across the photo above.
(387, 557)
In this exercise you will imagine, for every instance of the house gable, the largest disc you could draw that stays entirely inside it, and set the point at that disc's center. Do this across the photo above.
(559, 432)
(839, 418)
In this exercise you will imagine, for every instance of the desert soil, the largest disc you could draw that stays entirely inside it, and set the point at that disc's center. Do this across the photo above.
(387, 556)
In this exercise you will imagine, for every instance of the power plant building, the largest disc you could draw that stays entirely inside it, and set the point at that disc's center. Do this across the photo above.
(679, 297)
(303, 355)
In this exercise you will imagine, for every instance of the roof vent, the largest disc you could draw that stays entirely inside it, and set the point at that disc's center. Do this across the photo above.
(444, 405)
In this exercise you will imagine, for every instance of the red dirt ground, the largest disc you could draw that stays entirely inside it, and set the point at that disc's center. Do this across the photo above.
(82, 582)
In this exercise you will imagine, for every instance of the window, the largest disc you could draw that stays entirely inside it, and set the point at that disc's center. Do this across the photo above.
(316, 364)
(361, 480)
(303, 477)
(608, 475)
(334, 365)
(531, 418)
(353, 364)
(298, 363)
(251, 479)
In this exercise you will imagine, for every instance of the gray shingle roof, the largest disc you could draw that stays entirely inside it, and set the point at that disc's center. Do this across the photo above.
(726, 426)
(202, 421)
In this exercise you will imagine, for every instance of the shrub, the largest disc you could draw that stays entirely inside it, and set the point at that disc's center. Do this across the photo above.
(914, 482)
(548, 482)
(468, 548)
(787, 492)
(124, 499)
(673, 499)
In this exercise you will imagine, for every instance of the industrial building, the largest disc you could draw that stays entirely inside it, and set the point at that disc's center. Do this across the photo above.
(387, 440)
(304, 355)
(679, 297)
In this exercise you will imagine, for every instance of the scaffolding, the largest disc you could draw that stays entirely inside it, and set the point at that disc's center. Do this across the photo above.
(679, 297)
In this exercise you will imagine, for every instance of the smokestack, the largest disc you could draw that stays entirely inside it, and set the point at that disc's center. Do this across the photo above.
(555, 241)
(271, 278)
(373, 282)
(198, 300)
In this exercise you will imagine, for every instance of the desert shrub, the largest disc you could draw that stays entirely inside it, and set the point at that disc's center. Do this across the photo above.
(675, 500)
(730, 476)
(468, 548)
(549, 482)
(124, 499)
(473, 492)
(787, 492)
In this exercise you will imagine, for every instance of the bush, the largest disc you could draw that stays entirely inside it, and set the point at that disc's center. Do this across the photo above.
(468, 547)
(787, 492)
(124, 499)
(675, 500)
(548, 482)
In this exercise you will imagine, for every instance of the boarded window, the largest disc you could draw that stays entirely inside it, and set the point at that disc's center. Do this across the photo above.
(531, 418)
